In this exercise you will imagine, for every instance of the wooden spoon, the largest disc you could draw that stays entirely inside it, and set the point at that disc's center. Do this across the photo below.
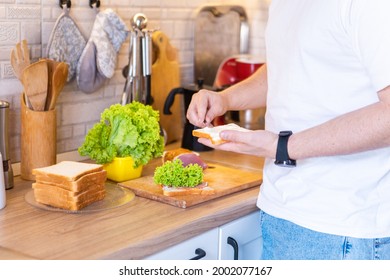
(60, 76)
(35, 81)
(51, 66)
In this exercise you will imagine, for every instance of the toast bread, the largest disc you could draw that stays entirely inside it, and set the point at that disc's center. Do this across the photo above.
(56, 201)
(185, 155)
(68, 170)
(172, 154)
(69, 185)
(202, 189)
(83, 183)
(212, 133)
(64, 194)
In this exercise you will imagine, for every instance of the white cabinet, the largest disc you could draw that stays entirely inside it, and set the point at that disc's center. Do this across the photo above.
(240, 239)
(205, 243)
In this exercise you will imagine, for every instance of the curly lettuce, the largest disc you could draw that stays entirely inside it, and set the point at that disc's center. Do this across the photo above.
(129, 130)
(174, 174)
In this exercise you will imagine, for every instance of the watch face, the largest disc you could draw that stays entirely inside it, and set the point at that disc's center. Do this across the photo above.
(286, 163)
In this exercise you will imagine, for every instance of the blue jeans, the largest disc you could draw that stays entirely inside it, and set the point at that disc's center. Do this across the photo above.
(283, 240)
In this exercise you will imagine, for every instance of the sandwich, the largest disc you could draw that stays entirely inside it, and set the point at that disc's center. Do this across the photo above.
(177, 179)
(186, 156)
(212, 133)
(69, 185)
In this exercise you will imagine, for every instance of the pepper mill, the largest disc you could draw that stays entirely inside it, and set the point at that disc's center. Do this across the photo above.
(4, 147)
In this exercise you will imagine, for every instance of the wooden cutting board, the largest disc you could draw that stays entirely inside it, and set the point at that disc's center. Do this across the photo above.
(165, 77)
(224, 179)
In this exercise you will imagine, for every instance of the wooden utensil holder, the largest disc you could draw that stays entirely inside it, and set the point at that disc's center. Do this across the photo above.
(38, 140)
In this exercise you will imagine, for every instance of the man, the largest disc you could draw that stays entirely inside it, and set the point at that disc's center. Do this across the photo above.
(326, 87)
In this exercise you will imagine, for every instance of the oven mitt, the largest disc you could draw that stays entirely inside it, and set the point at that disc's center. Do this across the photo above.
(66, 43)
(98, 60)
(89, 78)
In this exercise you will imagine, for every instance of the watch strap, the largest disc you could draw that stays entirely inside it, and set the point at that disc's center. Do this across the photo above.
(282, 157)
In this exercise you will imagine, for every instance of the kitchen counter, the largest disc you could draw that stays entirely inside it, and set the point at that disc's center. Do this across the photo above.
(133, 231)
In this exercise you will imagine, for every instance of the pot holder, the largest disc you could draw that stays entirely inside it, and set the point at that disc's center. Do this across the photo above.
(66, 43)
(98, 60)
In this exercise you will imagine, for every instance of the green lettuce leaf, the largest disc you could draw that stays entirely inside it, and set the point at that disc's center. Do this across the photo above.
(129, 130)
(174, 174)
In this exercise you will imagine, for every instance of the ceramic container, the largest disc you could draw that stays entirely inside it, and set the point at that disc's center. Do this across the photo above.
(121, 169)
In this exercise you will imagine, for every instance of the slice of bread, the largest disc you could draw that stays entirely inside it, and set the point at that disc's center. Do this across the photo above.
(69, 185)
(185, 155)
(81, 184)
(212, 133)
(172, 154)
(202, 189)
(68, 170)
(60, 202)
(64, 194)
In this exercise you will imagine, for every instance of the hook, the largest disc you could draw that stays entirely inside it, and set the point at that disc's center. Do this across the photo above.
(92, 2)
(62, 3)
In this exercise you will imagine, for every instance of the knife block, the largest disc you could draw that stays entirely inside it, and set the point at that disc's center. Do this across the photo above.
(38, 140)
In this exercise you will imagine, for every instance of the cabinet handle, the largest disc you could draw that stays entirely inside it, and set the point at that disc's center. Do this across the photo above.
(231, 241)
(200, 253)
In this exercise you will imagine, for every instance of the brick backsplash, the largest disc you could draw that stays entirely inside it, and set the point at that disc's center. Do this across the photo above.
(34, 20)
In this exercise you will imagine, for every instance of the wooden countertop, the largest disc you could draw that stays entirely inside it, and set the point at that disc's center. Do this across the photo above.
(133, 231)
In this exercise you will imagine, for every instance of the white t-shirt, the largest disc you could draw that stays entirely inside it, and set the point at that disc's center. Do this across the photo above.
(326, 58)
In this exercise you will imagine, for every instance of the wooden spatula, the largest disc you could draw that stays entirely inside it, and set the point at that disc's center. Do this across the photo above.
(58, 82)
(20, 58)
(35, 81)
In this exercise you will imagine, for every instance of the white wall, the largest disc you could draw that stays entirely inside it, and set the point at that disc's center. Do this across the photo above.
(76, 111)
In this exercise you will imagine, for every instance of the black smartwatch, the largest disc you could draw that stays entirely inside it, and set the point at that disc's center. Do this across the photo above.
(282, 158)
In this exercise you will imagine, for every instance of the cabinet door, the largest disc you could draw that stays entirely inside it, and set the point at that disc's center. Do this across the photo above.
(241, 239)
(205, 243)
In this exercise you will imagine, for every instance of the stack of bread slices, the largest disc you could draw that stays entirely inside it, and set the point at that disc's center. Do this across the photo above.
(69, 185)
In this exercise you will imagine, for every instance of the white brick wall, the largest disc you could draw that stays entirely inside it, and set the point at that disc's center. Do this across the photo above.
(76, 111)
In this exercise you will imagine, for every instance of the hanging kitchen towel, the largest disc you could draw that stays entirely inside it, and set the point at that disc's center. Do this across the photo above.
(66, 43)
(98, 60)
